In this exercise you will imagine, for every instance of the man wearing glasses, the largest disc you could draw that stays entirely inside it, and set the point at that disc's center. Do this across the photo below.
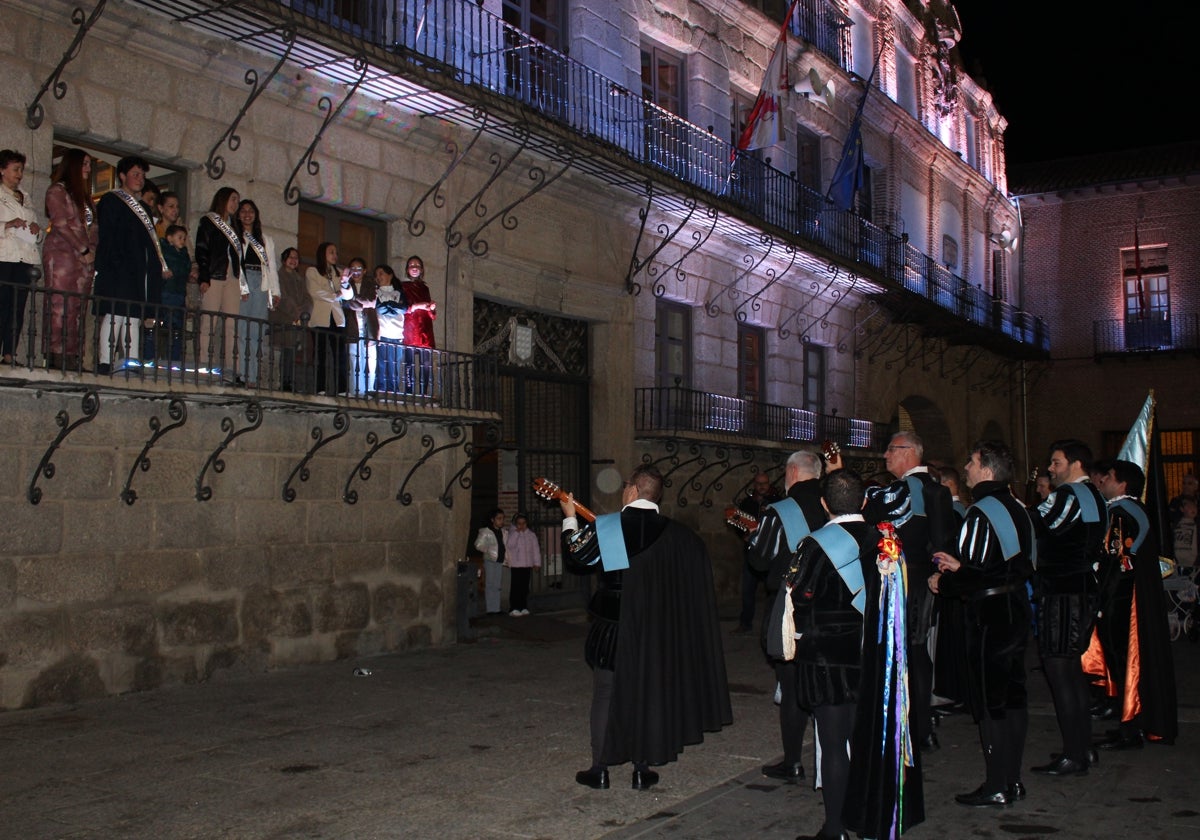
(922, 512)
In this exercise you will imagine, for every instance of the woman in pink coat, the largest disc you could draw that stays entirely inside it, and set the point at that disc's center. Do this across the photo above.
(69, 256)
(522, 555)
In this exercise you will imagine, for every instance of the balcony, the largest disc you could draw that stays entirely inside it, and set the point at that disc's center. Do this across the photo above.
(440, 56)
(682, 412)
(219, 357)
(1125, 336)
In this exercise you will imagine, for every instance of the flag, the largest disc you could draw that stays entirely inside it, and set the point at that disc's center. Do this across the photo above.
(1141, 447)
(764, 126)
(848, 177)
(1137, 264)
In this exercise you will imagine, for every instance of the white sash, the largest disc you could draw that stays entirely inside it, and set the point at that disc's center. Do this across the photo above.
(264, 262)
(147, 222)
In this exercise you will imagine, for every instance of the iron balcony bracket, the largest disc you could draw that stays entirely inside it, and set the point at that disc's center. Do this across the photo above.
(35, 113)
(291, 190)
(254, 418)
(90, 407)
(479, 247)
(500, 165)
(177, 410)
(454, 431)
(492, 435)
(363, 469)
(215, 167)
(698, 240)
(416, 227)
(341, 423)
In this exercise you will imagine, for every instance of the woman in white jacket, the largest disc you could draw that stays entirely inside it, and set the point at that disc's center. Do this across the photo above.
(490, 543)
(20, 250)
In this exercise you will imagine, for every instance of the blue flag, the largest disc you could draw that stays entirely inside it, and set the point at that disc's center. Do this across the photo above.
(848, 177)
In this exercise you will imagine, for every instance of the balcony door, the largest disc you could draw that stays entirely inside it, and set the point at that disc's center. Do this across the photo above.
(672, 362)
(1147, 298)
(536, 71)
(664, 138)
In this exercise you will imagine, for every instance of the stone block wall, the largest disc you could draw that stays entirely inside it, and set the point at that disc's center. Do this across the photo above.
(98, 596)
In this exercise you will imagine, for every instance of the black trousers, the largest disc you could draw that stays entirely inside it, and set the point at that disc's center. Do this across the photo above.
(15, 283)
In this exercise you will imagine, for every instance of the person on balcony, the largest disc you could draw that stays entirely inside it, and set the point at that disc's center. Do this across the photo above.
(69, 256)
(418, 329)
(20, 236)
(328, 286)
(261, 293)
(129, 266)
(218, 250)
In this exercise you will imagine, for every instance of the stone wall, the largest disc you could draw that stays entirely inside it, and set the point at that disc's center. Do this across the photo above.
(99, 596)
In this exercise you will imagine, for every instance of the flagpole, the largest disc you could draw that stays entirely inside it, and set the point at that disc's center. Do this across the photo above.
(851, 150)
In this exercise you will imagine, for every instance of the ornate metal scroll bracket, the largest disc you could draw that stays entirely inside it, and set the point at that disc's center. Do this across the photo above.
(291, 190)
(783, 331)
(717, 484)
(835, 298)
(35, 113)
(341, 424)
(416, 227)
(859, 328)
(363, 469)
(474, 453)
(479, 247)
(455, 432)
(254, 418)
(668, 235)
(720, 458)
(500, 165)
(676, 463)
(215, 167)
(711, 307)
(177, 411)
(753, 303)
(90, 407)
(698, 239)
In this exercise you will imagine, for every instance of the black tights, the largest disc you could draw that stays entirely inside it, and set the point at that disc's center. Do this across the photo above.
(834, 727)
(1069, 689)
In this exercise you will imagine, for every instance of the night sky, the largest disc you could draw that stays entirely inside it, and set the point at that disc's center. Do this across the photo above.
(1079, 78)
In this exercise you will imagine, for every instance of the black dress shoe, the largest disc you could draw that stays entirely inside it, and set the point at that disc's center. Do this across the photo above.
(784, 770)
(1016, 792)
(1120, 742)
(595, 778)
(1062, 766)
(642, 779)
(978, 799)
(930, 743)
(1103, 711)
(1093, 757)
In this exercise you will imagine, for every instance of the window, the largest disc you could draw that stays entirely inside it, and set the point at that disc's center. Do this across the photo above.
(814, 378)
(949, 252)
(534, 73)
(665, 139)
(808, 159)
(751, 362)
(354, 235)
(906, 83)
(672, 345)
(1147, 298)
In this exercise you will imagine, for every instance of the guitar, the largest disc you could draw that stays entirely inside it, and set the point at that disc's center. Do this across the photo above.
(741, 520)
(830, 450)
(549, 490)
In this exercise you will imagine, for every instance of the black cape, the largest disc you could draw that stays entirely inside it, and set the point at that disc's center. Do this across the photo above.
(669, 685)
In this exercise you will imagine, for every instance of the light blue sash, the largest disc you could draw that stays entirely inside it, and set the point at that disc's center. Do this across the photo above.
(795, 525)
(613, 555)
(916, 495)
(842, 551)
(1088, 509)
(959, 508)
(1139, 516)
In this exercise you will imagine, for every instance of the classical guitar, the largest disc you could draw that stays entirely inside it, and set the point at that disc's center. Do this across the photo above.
(830, 450)
(741, 520)
(549, 490)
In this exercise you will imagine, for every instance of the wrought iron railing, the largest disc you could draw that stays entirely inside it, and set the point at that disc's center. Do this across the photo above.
(60, 338)
(682, 410)
(480, 49)
(1156, 333)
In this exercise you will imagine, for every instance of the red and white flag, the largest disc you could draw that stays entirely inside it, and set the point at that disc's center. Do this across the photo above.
(764, 125)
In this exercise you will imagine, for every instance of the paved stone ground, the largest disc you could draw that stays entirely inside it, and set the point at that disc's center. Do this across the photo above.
(482, 740)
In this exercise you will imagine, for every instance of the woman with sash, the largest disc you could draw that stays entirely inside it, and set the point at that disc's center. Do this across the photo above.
(218, 259)
(69, 255)
(260, 292)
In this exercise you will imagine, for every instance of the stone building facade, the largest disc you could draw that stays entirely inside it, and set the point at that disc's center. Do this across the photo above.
(649, 294)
